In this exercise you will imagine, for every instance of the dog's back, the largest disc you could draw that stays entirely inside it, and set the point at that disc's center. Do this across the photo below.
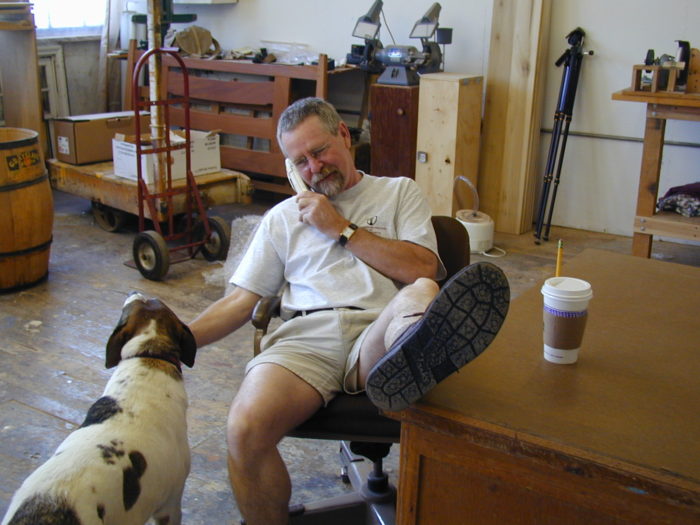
(129, 459)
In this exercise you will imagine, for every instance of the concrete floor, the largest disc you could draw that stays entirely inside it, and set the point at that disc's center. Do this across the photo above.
(53, 338)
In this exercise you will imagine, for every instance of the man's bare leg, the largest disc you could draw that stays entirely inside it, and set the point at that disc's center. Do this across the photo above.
(270, 402)
(401, 312)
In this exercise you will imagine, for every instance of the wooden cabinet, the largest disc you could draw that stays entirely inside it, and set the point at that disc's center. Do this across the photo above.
(394, 119)
(449, 127)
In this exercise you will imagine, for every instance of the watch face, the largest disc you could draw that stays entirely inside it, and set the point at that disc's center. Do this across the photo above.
(347, 233)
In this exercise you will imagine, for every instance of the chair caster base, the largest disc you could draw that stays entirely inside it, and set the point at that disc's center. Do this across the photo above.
(363, 506)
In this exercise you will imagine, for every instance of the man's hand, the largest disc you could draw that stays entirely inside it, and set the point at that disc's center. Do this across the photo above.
(399, 260)
(224, 316)
(317, 210)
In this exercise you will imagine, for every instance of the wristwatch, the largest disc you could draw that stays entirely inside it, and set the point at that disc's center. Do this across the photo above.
(348, 232)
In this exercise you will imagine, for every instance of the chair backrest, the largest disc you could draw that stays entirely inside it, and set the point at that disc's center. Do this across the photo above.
(453, 243)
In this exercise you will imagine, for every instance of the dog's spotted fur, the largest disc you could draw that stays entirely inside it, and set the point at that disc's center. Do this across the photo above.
(129, 459)
(101, 410)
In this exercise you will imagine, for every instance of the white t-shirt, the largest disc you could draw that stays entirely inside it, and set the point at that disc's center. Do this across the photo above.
(314, 271)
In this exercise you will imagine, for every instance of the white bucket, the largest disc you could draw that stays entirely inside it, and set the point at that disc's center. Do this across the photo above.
(480, 227)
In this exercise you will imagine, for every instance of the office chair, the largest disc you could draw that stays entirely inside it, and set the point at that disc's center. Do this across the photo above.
(357, 423)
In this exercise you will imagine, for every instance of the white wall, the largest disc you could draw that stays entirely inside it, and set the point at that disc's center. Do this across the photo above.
(599, 179)
(326, 25)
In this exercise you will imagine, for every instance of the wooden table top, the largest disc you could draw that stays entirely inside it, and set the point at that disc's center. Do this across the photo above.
(632, 399)
(666, 98)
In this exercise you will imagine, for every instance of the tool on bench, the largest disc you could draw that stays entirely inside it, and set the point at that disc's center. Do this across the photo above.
(401, 64)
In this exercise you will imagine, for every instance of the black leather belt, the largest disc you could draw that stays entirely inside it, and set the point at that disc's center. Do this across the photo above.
(307, 312)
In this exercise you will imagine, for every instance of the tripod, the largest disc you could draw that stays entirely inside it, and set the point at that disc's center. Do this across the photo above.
(571, 59)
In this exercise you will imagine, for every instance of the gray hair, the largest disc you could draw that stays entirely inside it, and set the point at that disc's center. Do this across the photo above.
(300, 110)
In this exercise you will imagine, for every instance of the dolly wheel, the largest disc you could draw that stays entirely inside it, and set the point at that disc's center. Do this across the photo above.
(151, 255)
(107, 218)
(216, 247)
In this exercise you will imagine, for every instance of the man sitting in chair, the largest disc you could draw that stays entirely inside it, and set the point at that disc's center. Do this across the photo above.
(356, 261)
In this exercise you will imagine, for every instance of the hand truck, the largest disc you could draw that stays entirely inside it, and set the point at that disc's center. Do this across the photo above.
(155, 249)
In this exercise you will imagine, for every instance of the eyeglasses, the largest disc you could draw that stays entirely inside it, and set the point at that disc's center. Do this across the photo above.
(315, 154)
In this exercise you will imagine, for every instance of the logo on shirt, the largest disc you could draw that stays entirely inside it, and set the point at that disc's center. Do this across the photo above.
(374, 225)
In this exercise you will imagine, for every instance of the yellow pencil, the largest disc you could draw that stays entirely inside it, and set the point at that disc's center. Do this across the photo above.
(560, 247)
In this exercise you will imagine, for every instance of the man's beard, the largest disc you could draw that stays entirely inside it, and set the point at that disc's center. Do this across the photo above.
(330, 182)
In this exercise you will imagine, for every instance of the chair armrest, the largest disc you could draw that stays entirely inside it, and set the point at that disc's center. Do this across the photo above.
(265, 309)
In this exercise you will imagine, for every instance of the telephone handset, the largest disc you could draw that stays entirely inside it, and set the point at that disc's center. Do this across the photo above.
(297, 182)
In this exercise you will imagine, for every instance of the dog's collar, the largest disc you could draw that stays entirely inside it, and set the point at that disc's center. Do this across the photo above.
(168, 359)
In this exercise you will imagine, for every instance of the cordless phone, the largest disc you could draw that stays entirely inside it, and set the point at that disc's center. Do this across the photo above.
(297, 182)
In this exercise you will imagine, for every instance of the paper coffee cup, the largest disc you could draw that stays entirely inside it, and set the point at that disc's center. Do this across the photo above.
(565, 313)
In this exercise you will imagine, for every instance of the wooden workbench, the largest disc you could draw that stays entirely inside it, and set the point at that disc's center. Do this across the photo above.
(661, 106)
(99, 184)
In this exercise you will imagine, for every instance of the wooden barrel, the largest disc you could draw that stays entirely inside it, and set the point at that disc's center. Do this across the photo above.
(26, 210)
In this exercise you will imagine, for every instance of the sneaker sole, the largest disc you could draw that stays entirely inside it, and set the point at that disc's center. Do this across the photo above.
(456, 328)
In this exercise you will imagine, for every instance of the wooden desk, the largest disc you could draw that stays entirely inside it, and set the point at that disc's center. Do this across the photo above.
(615, 438)
(660, 107)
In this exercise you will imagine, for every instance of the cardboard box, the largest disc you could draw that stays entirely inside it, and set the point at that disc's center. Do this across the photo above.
(205, 157)
(81, 139)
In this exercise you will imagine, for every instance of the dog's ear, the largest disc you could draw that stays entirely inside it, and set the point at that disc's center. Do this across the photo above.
(188, 346)
(116, 341)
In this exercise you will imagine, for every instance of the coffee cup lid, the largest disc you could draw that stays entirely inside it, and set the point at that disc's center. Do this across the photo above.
(567, 288)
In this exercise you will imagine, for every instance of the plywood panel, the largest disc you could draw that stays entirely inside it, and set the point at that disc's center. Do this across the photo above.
(449, 127)
(512, 115)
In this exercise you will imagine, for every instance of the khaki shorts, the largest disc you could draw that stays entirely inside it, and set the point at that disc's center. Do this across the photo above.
(322, 348)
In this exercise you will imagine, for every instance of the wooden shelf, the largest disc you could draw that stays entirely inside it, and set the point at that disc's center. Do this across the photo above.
(16, 16)
(661, 106)
(669, 224)
(16, 26)
(691, 100)
(243, 100)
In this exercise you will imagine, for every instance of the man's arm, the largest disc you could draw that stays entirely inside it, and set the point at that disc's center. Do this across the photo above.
(224, 316)
(401, 261)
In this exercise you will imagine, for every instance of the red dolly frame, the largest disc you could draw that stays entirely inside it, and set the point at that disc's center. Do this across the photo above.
(210, 236)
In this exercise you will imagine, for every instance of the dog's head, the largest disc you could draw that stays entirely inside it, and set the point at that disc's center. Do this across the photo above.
(138, 315)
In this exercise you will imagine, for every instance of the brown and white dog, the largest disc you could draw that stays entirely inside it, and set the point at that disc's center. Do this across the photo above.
(129, 459)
